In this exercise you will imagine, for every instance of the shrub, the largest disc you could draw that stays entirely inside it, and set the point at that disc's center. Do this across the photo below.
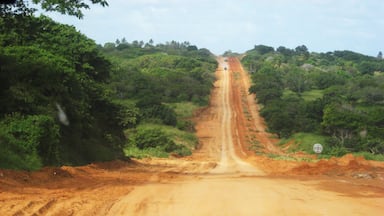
(28, 142)
(370, 156)
(162, 112)
(186, 125)
(182, 150)
(151, 138)
(145, 138)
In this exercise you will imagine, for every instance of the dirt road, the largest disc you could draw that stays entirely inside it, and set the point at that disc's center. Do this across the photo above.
(223, 177)
(234, 187)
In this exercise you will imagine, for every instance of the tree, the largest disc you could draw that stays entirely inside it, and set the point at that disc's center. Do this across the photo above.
(18, 7)
(302, 50)
(70, 7)
(109, 46)
(342, 121)
(27, 142)
(296, 80)
(287, 116)
(267, 85)
(285, 51)
(124, 41)
(262, 49)
(59, 65)
(323, 80)
(192, 48)
(380, 55)
(8, 2)
(367, 67)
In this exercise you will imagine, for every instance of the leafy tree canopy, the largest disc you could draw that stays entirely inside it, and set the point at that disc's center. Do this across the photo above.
(69, 7)
(336, 94)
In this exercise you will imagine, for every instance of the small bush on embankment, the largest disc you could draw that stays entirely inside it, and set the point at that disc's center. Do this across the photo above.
(303, 142)
(151, 140)
(28, 142)
(370, 156)
(184, 112)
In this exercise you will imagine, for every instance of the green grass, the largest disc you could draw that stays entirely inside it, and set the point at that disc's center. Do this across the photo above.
(307, 95)
(180, 137)
(365, 155)
(312, 95)
(289, 158)
(184, 109)
(184, 113)
(287, 93)
(133, 151)
(370, 156)
(304, 142)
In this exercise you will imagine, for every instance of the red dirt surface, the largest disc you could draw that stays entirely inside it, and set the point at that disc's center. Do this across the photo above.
(216, 180)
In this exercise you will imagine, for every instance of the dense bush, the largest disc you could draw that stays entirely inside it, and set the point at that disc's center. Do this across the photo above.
(155, 78)
(336, 94)
(28, 142)
(43, 64)
(145, 138)
(46, 67)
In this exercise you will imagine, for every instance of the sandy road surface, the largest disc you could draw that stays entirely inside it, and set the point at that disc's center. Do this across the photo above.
(224, 195)
(234, 187)
(223, 177)
(229, 161)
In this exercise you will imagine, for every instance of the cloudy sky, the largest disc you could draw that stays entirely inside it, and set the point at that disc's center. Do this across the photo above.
(238, 25)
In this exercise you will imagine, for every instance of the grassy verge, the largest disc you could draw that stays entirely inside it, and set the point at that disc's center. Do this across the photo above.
(307, 95)
(290, 158)
(184, 112)
(186, 142)
(370, 156)
(184, 109)
(303, 142)
(312, 95)
(133, 151)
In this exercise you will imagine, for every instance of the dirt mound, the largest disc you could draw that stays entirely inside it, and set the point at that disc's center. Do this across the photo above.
(68, 176)
(45, 175)
(82, 190)
(347, 165)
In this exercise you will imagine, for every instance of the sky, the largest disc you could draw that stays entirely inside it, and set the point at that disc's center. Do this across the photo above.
(239, 25)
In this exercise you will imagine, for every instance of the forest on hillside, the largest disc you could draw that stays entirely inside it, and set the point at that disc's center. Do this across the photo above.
(67, 101)
(336, 98)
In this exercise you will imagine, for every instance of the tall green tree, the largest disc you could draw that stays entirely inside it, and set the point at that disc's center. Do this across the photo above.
(45, 65)
(343, 122)
(69, 7)
(268, 84)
